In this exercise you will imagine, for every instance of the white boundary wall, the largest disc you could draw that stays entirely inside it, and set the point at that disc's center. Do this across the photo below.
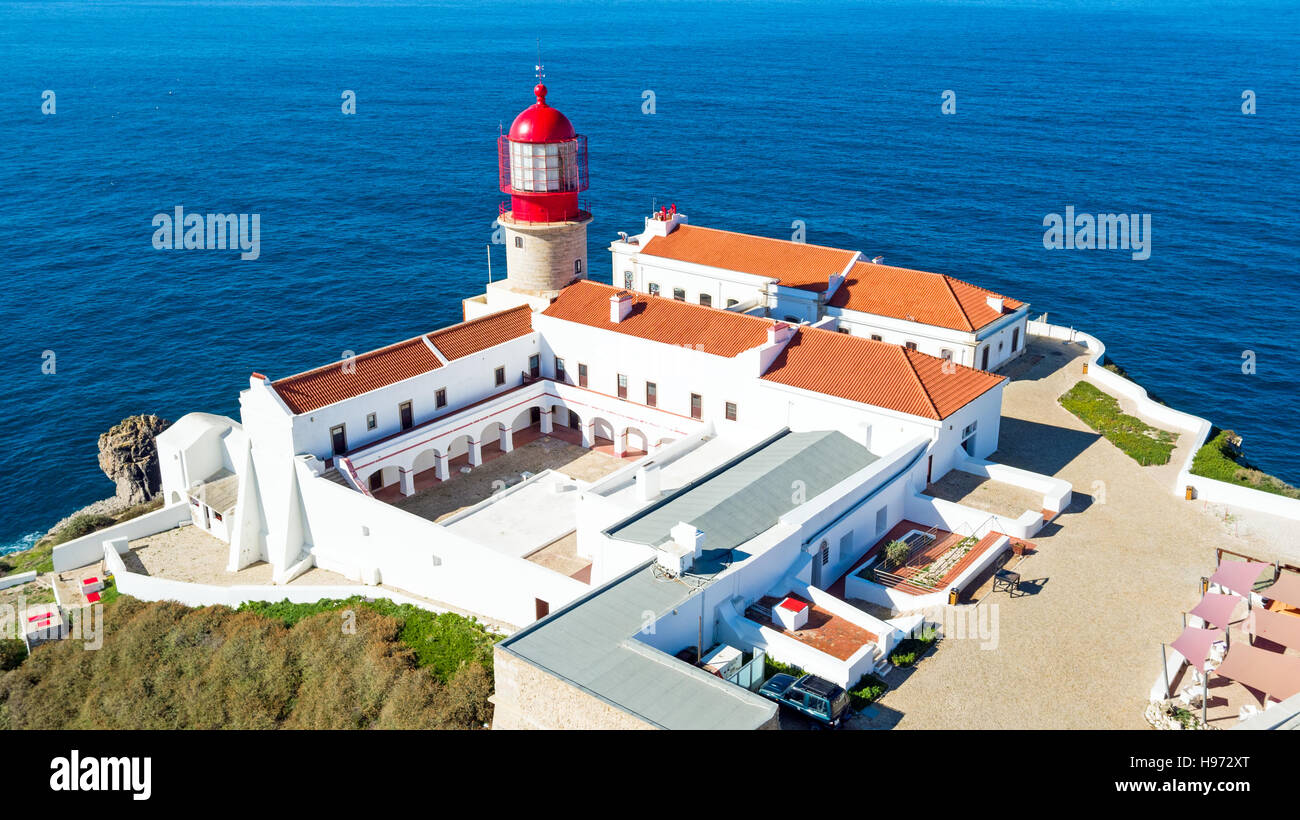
(88, 549)
(1207, 489)
(17, 580)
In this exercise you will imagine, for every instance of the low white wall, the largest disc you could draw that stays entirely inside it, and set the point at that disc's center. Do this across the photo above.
(88, 549)
(1207, 489)
(1056, 492)
(860, 588)
(963, 520)
(740, 631)
(150, 588)
(17, 580)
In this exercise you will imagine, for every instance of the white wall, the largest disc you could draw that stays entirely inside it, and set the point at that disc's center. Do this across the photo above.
(88, 549)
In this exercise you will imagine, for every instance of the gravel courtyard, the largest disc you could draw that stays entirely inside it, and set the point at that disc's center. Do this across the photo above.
(1109, 582)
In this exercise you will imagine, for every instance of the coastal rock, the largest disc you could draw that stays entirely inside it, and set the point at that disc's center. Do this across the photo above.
(128, 454)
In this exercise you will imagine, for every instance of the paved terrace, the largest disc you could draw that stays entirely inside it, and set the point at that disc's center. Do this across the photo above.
(1112, 575)
(943, 542)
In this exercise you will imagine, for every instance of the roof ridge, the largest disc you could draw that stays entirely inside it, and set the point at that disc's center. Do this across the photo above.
(358, 357)
(907, 356)
(947, 280)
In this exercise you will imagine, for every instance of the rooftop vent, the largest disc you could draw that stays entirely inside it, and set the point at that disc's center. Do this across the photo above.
(995, 302)
(877, 260)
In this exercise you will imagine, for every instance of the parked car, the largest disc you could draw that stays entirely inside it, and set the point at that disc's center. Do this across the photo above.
(810, 695)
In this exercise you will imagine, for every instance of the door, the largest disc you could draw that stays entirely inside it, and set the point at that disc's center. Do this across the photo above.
(534, 416)
(985, 360)
(408, 418)
(339, 439)
(541, 608)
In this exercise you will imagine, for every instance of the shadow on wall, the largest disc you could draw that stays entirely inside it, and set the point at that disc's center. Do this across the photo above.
(1038, 447)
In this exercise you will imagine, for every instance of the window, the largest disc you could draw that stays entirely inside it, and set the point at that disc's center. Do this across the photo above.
(627, 280)
(574, 421)
(679, 294)
(697, 405)
(968, 429)
(946, 354)
(875, 337)
(440, 397)
(968, 438)
(794, 320)
(371, 421)
(216, 515)
(841, 329)
(985, 360)
(732, 303)
(622, 386)
(406, 415)
(911, 345)
(582, 375)
(1015, 340)
(654, 288)
(731, 411)
(534, 367)
(882, 520)
(577, 267)
(559, 369)
(826, 552)
(652, 394)
(519, 241)
(501, 375)
(339, 439)
(706, 300)
(544, 166)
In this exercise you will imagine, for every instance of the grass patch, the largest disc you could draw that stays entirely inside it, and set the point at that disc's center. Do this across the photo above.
(911, 649)
(866, 691)
(1219, 460)
(167, 666)
(41, 556)
(1138, 440)
(12, 653)
(771, 667)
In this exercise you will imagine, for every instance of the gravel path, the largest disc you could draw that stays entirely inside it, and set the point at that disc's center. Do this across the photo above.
(1112, 575)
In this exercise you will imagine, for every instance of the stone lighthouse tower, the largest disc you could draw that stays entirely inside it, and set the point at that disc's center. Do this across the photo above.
(542, 165)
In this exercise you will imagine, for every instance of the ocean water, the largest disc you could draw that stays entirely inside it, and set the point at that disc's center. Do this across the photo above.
(374, 226)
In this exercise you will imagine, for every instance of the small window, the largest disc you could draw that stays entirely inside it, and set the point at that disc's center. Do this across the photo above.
(559, 369)
(216, 515)
(371, 421)
(577, 266)
(842, 329)
(582, 375)
(405, 413)
(679, 294)
(339, 439)
(654, 289)
(1015, 340)
(706, 300)
(911, 345)
(500, 376)
(652, 394)
(875, 337)
(731, 411)
(519, 241)
(732, 303)
(440, 397)
(969, 429)
(622, 386)
(946, 354)
(794, 320)
(627, 280)
(534, 368)
(697, 405)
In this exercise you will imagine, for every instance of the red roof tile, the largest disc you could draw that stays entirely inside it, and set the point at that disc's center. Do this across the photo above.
(326, 385)
(659, 319)
(918, 296)
(468, 338)
(877, 373)
(793, 264)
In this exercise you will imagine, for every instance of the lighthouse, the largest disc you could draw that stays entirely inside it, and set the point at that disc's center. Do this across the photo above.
(542, 164)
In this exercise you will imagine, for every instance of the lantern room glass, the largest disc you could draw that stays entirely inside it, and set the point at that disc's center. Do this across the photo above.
(544, 167)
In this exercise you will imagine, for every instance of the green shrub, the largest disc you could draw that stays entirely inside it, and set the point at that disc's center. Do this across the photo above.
(910, 649)
(771, 667)
(866, 691)
(1140, 441)
(12, 652)
(896, 552)
(1216, 459)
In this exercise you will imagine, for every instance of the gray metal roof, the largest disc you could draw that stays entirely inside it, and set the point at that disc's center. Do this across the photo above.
(591, 643)
(741, 499)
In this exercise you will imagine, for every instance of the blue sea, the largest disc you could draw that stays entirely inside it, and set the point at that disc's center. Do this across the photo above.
(374, 226)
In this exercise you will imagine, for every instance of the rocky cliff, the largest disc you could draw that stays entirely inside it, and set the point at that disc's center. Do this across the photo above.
(128, 454)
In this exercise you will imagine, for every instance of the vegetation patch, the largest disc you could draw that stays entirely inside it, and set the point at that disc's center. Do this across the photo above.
(911, 649)
(866, 691)
(41, 556)
(167, 666)
(771, 667)
(1140, 441)
(1219, 459)
(12, 653)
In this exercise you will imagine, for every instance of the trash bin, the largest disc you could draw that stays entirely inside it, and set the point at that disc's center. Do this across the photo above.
(952, 596)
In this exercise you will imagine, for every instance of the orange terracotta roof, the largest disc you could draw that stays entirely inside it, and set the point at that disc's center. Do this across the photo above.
(918, 296)
(317, 388)
(468, 338)
(792, 264)
(877, 373)
(326, 385)
(659, 319)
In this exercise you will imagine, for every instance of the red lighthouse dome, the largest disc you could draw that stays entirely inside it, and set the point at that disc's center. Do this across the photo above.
(542, 164)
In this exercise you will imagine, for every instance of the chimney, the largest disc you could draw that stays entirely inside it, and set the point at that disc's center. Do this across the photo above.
(647, 482)
(995, 302)
(687, 538)
(620, 305)
(779, 333)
